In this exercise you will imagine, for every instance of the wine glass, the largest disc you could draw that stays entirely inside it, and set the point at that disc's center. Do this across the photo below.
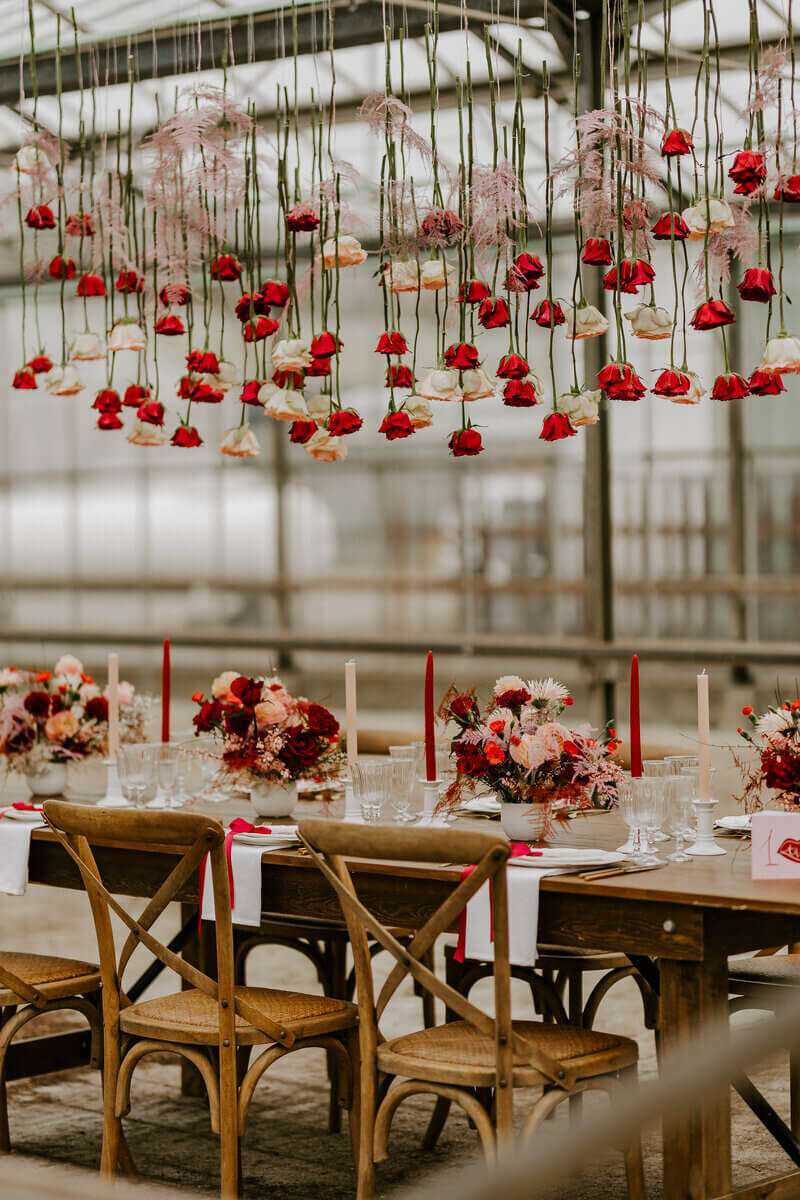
(679, 808)
(136, 766)
(657, 768)
(372, 780)
(206, 757)
(167, 755)
(651, 799)
(627, 810)
(403, 760)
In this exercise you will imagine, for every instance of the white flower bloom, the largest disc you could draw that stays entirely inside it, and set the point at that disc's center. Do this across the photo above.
(63, 381)
(325, 448)
(10, 677)
(441, 384)
(476, 384)
(781, 355)
(68, 664)
(144, 434)
(240, 442)
(708, 213)
(284, 404)
(87, 347)
(226, 377)
(549, 690)
(695, 393)
(403, 276)
(773, 722)
(584, 321)
(582, 408)
(319, 407)
(291, 354)
(509, 683)
(434, 274)
(31, 160)
(650, 322)
(347, 249)
(221, 687)
(419, 411)
(127, 335)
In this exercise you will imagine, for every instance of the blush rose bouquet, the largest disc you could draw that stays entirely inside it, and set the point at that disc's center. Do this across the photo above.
(519, 748)
(267, 733)
(775, 736)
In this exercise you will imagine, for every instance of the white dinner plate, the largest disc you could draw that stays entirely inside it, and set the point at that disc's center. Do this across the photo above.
(22, 814)
(566, 856)
(481, 804)
(738, 822)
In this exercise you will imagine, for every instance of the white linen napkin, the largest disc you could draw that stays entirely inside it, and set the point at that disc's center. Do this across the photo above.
(15, 846)
(245, 868)
(523, 918)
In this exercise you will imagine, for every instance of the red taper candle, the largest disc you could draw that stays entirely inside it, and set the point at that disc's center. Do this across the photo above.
(636, 730)
(430, 739)
(166, 686)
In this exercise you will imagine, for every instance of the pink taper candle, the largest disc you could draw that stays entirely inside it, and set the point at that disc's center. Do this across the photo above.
(430, 738)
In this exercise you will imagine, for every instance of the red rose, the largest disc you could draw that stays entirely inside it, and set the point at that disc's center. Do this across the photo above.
(61, 268)
(40, 217)
(301, 745)
(344, 420)
(766, 383)
(21, 740)
(391, 343)
(712, 315)
(493, 313)
(96, 709)
(548, 314)
(635, 273)
(40, 364)
(399, 376)
(174, 293)
(511, 366)
(470, 761)
(275, 292)
(441, 227)
(302, 218)
(620, 382)
(676, 142)
(108, 421)
(151, 412)
(461, 355)
(325, 345)
(170, 326)
(249, 393)
(557, 426)
(186, 436)
(79, 225)
(748, 172)
(248, 691)
(473, 291)
(597, 252)
(37, 704)
(321, 721)
(226, 268)
(788, 190)
(513, 698)
(302, 432)
(672, 383)
(204, 393)
(757, 284)
(208, 717)
(781, 770)
(203, 360)
(107, 401)
(91, 285)
(129, 282)
(262, 327)
(320, 368)
(670, 226)
(24, 381)
(730, 387)
(396, 425)
(251, 304)
(238, 721)
(288, 379)
(56, 704)
(134, 395)
(463, 707)
(465, 443)
(519, 394)
(525, 273)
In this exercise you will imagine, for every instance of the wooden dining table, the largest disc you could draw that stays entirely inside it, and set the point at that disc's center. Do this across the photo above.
(679, 923)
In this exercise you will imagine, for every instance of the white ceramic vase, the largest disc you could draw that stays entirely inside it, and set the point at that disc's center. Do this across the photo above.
(51, 781)
(273, 799)
(525, 822)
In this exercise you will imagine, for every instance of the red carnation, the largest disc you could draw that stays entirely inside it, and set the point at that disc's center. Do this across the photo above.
(399, 376)
(730, 387)
(511, 366)
(79, 225)
(203, 360)
(788, 190)
(493, 313)
(288, 379)
(204, 393)
(186, 436)
(548, 314)
(262, 327)
(302, 432)
(275, 292)
(461, 355)
(96, 708)
(344, 420)
(396, 425)
(391, 343)
(441, 226)
(151, 412)
(472, 291)
(597, 252)
(712, 315)
(765, 383)
(525, 273)
(250, 390)
(24, 380)
(170, 326)
(134, 395)
(174, 293)
(303, 218)
(325, 345)
(672, 383)
(107, 401)
(226, 268)
(556, 426)
(108, 421)
(465, 442)
(635, 273)
(91, 285)
(319, 368)
(668, 226)
(37, 704)
(61, 268)
(40, 364)
(519, 394)
(40, 217)
(676, 142)
(748, 172)
(129, 282)
(757, 284)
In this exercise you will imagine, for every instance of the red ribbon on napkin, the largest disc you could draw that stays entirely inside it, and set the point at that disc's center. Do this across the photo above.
(23, 807)
(518, 850)
(239, 825)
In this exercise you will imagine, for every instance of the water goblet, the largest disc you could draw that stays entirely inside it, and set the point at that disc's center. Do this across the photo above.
(166, 756)
(136, 765)
(205, 753)
(653, 814)
(403, 767)
(657, 768)
(679, 807)
(372, 780)
(678, 761)
(625, 806)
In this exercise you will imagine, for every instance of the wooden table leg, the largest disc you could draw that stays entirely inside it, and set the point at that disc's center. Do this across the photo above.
(697, 1143)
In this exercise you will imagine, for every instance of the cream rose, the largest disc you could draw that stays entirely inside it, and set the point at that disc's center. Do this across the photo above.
(87, 347)
(126, 335)
(583, 407)
(283, 404)
(221, 687)
(319, 407)
(440, 384)
(68, 664)
(146, 435)
(584, 321)
(31, 160)
(403, 275)
(695, 393)
(781, 355)
(226, 377)
(291, 354)
(61, 726)
(347, 249)
(240, 442)
(476, 384)
(650, 322)
(708, 213)
(271, 711)
(419, 411)
(434, 274)
(325, 448)
(63, 381)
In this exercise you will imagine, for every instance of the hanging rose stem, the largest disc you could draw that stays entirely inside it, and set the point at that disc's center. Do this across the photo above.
(670, 117)
(256, 208)
(495, 140)
(618, 161)
(549, 222)
(312, 239)
(60, 181)
(780, 203)
(22, 264)
(418, 293)
(336, 308)
(462, 213)
(577, 282)
(154, 341)
(82, 152)
(790, 28)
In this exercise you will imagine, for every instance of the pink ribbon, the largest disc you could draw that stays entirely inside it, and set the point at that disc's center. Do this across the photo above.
(239, 825)
(518, 850)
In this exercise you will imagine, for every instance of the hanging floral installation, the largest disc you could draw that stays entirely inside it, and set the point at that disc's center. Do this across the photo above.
(457, 249)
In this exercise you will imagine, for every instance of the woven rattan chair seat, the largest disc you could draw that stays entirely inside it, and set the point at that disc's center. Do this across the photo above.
(191, 1016)
(779, 970)
(55, 978)
(459, 1053)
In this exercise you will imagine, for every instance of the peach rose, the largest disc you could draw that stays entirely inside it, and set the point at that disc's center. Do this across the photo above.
(434, 274)
(284, 404)
(61, 726)
(63, 381)
(221, 687)
(146, 435)
(346, 248)
(240, 442)
(781, 354)
(695, 393)
(291, 354)
(325, 448)
(319, 407)
(126, 335)
(476, 384)
(68, 664)
(271, 711)
(708, 213)
(441, 384)
(582, 407)
(86, 347)
(650, 322)
(419, 411)
(584, 321)
(31, 160)
(403, 276)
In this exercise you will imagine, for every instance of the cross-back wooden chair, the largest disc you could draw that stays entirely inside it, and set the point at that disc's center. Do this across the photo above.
(477, 1060)
(208, 1021)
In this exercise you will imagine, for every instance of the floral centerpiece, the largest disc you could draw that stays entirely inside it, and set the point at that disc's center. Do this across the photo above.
(270, 738)
(51, 718)
(775, 736)
(519, 749)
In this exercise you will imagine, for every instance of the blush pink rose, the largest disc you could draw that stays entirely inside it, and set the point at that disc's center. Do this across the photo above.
(61, 726)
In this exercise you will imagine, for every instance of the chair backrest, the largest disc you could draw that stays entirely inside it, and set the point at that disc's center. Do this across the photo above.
(190, 836)
(328, 842)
